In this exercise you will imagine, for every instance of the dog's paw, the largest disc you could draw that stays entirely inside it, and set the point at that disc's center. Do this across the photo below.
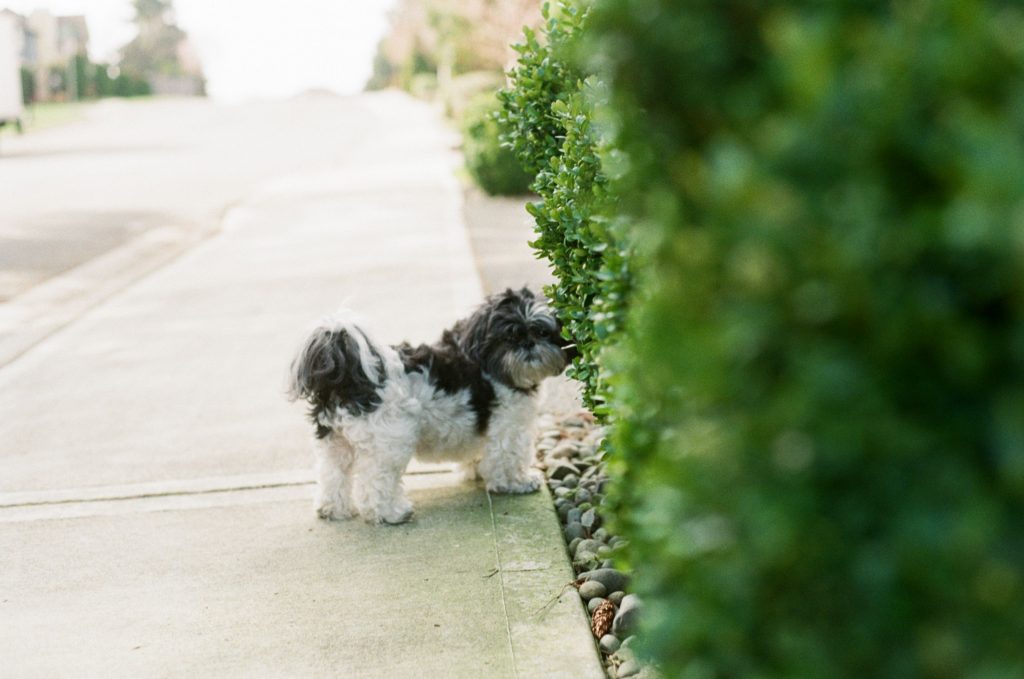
(334, 512)
(526, 484)
(396, 518)
(392, 516)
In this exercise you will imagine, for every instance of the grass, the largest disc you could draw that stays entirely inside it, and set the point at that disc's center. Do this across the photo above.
(45, 115)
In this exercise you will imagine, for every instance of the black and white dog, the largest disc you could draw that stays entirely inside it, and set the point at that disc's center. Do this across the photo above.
(469, 398)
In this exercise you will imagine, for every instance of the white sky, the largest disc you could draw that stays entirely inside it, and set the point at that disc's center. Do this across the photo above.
(252, 48)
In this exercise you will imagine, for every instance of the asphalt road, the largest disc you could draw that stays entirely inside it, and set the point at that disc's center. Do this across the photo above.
(70, 194)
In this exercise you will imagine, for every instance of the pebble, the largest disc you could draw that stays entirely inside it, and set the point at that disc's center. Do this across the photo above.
(573, 544)
(591, 589)
(609, 643)
(563, 492)
(547, 443)
(594, 603)
(608, 563)
(612, 579)
(564, 450)
(575, 530)
(616, 597)
(583, 495)
(599, 534)
(563, 469)
(587, 545)
(628, 668)
(603, 551)
(626, 617)
(590, 519)
(570, 481)
(574, 515)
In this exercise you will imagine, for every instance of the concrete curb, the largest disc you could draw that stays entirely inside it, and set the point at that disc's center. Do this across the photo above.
(549, 631)
(52, 305)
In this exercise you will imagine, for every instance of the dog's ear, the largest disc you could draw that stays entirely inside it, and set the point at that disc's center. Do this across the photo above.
(333, 360)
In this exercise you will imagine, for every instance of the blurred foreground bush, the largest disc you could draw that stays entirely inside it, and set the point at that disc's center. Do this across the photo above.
(494, 168)
(822, 421)
(548, 120)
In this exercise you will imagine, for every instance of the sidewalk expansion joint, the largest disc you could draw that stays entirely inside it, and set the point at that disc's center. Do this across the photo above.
(143, 496)
(178, 488)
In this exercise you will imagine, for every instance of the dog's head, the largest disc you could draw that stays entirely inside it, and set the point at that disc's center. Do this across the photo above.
(516, 339)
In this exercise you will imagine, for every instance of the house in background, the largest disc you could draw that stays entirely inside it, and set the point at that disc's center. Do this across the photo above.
(47, 46)
(54, 64)
(59, 39)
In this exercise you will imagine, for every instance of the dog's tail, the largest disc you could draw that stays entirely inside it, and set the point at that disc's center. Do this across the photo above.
(338, 365)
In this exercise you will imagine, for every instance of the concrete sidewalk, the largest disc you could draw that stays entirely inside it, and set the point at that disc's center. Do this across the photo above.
(155, 498)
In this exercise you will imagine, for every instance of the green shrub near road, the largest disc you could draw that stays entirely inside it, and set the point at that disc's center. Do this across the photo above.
(548, 120)
(821, 424)
(493, 167)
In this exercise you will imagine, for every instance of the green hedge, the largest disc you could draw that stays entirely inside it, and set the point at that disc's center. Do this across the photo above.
(548, 120)
(493, 167)
(822, 419)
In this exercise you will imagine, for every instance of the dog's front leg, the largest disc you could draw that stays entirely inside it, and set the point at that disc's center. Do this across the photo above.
(505, 467)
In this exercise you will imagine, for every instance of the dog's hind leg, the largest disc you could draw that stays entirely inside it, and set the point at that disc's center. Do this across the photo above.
(334, 462)
(379, 492)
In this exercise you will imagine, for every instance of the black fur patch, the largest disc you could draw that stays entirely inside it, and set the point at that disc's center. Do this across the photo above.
(451, 370)
(329, 375)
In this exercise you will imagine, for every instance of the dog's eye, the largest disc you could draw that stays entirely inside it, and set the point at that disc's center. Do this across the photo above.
(544, 330)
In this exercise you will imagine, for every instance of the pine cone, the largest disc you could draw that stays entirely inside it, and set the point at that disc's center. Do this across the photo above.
(601, 623)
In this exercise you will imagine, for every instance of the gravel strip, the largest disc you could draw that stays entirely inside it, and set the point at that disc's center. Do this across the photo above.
(568, 450)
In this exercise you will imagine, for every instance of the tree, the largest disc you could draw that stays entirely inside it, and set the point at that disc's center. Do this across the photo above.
(152, 10)
(154, 51)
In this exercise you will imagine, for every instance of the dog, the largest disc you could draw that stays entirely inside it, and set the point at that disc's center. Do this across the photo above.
(469, 398)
